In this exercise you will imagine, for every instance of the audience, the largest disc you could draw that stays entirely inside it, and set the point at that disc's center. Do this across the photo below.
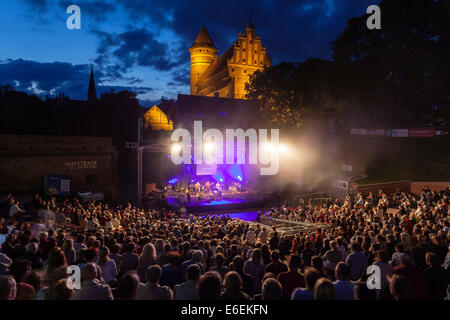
(128, 253)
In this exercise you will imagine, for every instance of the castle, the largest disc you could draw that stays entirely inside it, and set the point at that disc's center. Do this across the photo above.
(226, 76)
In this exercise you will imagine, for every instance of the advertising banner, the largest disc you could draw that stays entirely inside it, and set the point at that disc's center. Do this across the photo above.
(376, 132)
(400, 133)
(358, 131)
(57, 185)
(347, 167)
(421, 132)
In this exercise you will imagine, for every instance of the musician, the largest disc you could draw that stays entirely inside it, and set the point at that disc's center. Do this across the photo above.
(188, 196)
(197, 187)
(207, 186)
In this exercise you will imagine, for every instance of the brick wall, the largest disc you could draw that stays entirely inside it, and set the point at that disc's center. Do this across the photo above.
(416, 187)
(90, 162)
(387, 187)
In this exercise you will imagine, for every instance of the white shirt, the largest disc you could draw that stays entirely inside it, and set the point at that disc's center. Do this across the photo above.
(251, 236)
(14, 209)
(109, 270)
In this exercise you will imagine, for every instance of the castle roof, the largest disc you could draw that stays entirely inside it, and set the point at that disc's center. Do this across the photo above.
(203, 39)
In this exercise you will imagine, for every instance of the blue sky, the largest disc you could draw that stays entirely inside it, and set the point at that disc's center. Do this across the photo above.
(143, 45)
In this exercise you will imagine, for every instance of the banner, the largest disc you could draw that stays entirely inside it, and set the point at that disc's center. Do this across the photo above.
(342, 184)
(57, 185)
(358, 131)
(399, 133)
(421, 132)
(376, 132)
(347, 167)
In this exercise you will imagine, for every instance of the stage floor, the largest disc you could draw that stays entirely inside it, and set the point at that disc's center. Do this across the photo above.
(235, 202)
(174, 202)
(246, 216)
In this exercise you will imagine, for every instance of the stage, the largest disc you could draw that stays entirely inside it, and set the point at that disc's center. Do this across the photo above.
(210, 202)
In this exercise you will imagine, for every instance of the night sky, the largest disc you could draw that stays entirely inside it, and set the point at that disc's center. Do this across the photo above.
(143, 45)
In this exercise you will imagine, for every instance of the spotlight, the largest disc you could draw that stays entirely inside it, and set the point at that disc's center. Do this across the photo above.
(209, 146)
(268, 147)
(282, 148)
(176, 148)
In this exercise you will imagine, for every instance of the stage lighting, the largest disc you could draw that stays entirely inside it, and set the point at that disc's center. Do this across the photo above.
(268, 147)
(282, 148)
(209, 146)
(176, 147)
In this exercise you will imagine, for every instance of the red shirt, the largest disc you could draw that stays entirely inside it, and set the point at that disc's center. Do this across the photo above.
(25, 291)
(289, 281)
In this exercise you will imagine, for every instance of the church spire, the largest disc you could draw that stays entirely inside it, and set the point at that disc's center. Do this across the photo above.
(92, 94)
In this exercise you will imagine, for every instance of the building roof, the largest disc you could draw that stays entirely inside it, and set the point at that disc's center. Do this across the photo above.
(203, 39)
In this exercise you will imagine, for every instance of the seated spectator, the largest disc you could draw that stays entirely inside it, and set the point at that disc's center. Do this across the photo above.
(436, 277)
(32, 255)
(146, 259)
(91, 288)
(247, 279)
(233, 287)
(291, 279)
(7, 288)
(307, 293)
(59, 291)
(152, 290)
(276, 266)
(345, 289)
(108, 266)
(21, 270)
(188, 290)
(127, 288)
(362, 292)
(324, 290)
(210, 286)
(69, 251)
(400, 287)
(272, 290)
(197, 258)
(219, 267)
(332, 257)
(171, 272)
(357, 261)
(415, 278)
(256, 269)
(130, 260)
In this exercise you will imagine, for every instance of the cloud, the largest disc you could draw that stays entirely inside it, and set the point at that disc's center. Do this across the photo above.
(58, 77)
(136, 47)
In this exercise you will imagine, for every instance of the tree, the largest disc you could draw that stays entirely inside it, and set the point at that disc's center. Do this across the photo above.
(410, 54)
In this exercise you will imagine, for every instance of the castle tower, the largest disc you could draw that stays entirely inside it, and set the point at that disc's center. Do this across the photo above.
(203, 54)
(92, 94)
(249, 56)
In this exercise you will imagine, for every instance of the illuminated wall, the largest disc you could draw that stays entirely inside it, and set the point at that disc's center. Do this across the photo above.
(157, 119)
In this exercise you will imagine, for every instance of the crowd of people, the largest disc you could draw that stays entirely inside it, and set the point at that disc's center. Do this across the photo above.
(128, 253)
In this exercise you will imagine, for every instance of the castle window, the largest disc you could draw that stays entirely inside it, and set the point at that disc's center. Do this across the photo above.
(245, 71)
(243, 50)
(243, 60)
(250, 41)
(256, 51)
(232, 69)
(256, 62)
